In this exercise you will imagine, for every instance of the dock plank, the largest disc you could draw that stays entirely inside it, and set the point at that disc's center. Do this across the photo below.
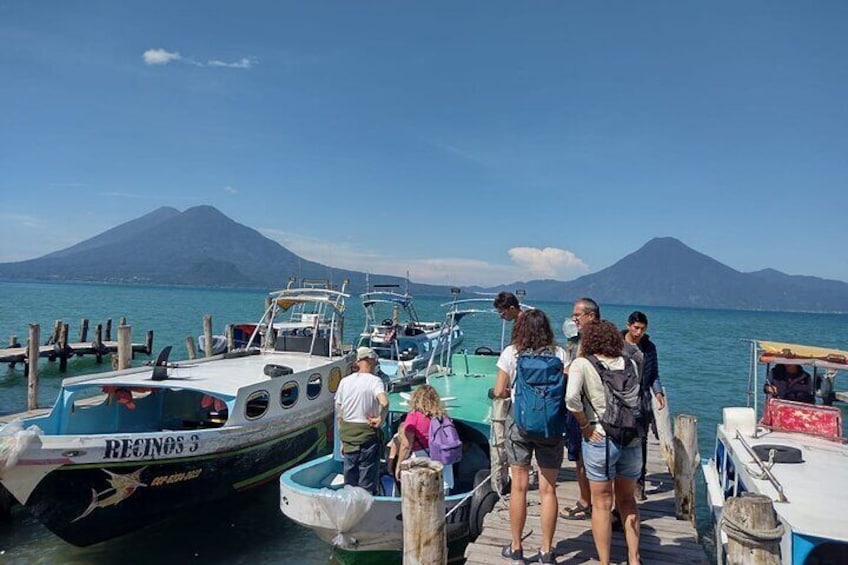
(663, 539)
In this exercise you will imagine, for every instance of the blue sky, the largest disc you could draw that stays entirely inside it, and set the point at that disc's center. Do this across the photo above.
(464, 142)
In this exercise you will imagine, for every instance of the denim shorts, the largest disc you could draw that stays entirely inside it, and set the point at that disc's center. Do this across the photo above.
(623, 462)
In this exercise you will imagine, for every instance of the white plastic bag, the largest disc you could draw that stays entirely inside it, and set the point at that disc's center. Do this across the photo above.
(345, 507)
(14, 440)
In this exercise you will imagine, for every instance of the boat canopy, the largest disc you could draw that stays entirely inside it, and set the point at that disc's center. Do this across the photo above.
(793, 354)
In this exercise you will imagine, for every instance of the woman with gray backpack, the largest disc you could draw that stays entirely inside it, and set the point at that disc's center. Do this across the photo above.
(530, 373)
(604, 395)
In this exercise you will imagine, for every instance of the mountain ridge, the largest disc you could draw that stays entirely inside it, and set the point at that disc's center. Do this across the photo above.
(203, 247)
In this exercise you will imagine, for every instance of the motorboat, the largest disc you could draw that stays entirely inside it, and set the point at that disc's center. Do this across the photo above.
(795, 454)
(403, 342)
(123, 449)
(313, 493)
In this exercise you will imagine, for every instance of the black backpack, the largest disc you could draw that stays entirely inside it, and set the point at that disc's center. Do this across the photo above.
(625, 415)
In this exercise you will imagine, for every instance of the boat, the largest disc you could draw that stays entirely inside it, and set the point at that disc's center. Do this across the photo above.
(403, 342)
(301, 319)
(795, 454)
(123, 449)
(353, 521)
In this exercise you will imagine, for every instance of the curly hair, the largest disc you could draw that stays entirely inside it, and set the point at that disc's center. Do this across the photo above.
(532, 331)
(601, 338)
(425, 399)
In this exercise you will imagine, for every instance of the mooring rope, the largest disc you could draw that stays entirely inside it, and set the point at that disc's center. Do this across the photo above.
(469, 495)
(742, 533)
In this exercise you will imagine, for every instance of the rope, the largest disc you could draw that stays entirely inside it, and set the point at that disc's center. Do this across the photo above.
(739, 532)
(469, 495)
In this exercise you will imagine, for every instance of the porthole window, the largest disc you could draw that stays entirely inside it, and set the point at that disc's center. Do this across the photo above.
(257, 404)
(288, 394)
(313, 386)
(335, 379)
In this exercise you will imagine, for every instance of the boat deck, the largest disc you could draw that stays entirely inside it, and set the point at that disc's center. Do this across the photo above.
(663, 539)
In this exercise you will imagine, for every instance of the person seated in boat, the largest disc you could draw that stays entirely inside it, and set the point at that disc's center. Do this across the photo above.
(361, 408)
(790, 382)
(424, 405)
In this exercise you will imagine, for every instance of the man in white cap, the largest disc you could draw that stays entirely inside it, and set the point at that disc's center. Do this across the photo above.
(361, 408)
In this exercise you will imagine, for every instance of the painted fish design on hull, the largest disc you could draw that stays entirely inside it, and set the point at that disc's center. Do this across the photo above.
(122, 487)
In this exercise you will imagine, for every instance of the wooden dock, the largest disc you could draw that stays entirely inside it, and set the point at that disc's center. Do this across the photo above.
(663, 538)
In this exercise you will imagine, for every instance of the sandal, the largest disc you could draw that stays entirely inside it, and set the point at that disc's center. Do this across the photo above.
(576, 512)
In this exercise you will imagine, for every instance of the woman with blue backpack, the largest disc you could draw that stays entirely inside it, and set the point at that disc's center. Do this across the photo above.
(531, 374)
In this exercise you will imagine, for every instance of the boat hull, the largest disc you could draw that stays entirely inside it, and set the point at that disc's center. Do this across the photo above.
(89, 503)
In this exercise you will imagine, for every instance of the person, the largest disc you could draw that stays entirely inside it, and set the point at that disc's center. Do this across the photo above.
(585, 311)
(643, 350)
(533, 334)
(361, 408)
(609, 466)
(424, 405)
(790, 382)
(507, 305)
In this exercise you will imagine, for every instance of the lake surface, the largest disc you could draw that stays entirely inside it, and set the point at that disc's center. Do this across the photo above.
(703, 365)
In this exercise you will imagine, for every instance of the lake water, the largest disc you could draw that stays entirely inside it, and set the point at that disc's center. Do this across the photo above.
(703, 365)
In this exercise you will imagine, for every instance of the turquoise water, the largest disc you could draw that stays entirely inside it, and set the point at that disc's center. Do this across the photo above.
(703, 365)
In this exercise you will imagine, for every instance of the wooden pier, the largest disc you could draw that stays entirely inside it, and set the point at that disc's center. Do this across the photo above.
(664, 540)
(59, 347)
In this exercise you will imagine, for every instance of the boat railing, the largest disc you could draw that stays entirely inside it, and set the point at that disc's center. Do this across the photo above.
(765, 467)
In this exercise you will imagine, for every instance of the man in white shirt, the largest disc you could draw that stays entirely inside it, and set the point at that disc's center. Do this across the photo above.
(361, 408)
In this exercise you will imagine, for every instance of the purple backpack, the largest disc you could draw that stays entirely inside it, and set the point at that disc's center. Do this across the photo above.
(445, 445)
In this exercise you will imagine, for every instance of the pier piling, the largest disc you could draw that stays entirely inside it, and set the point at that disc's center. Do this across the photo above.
(32, 366)
(83, 333)
(125, 352)
(207, 334)
(749, 517)
(686, 461)
(191, 350)
(423, 509)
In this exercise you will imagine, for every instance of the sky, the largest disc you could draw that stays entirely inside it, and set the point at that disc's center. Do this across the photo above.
(462, 142)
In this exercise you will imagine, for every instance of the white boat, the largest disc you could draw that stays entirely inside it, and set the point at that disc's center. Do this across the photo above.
(301, 319)
(355, 522)
(123, 449)
(795, 454)
(403, 342)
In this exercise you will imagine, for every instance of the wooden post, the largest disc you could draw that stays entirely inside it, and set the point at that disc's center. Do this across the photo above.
(83, 335)
(686, 460)
(13, 343)
(108, 336)
(148, 342)
(423, 511)
(62, 348)
(190, 349)
(54, 337)
(122, 321)
(98, 343)
(664, 432)
(231, 338)
(752, 514)
(32, 366)
(124, 347)
(207, 334)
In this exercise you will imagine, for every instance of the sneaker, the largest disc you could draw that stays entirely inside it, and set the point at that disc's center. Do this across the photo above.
(516, 556)
(548, 557)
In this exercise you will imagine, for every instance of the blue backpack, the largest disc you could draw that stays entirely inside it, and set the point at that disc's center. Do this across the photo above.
(539, 407)
(445, 445)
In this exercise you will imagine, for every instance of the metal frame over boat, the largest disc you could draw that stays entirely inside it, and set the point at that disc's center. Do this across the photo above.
(123, 449)
(402, 341)
(312, 494)
(795, 454)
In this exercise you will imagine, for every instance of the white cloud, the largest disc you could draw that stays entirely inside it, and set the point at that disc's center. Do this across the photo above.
(160, 57)
(549, 262)
(163, 57)
(230, 189)
(436, 270)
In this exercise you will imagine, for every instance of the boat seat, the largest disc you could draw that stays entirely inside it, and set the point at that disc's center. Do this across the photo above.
(302, 343)
(790, 416)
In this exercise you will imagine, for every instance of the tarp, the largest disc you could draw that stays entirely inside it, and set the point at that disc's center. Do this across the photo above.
(778, 352)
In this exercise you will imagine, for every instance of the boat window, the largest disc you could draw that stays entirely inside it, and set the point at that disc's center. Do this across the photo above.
(257, 404)
(335, 379)
(313, 386)
(288, 394)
